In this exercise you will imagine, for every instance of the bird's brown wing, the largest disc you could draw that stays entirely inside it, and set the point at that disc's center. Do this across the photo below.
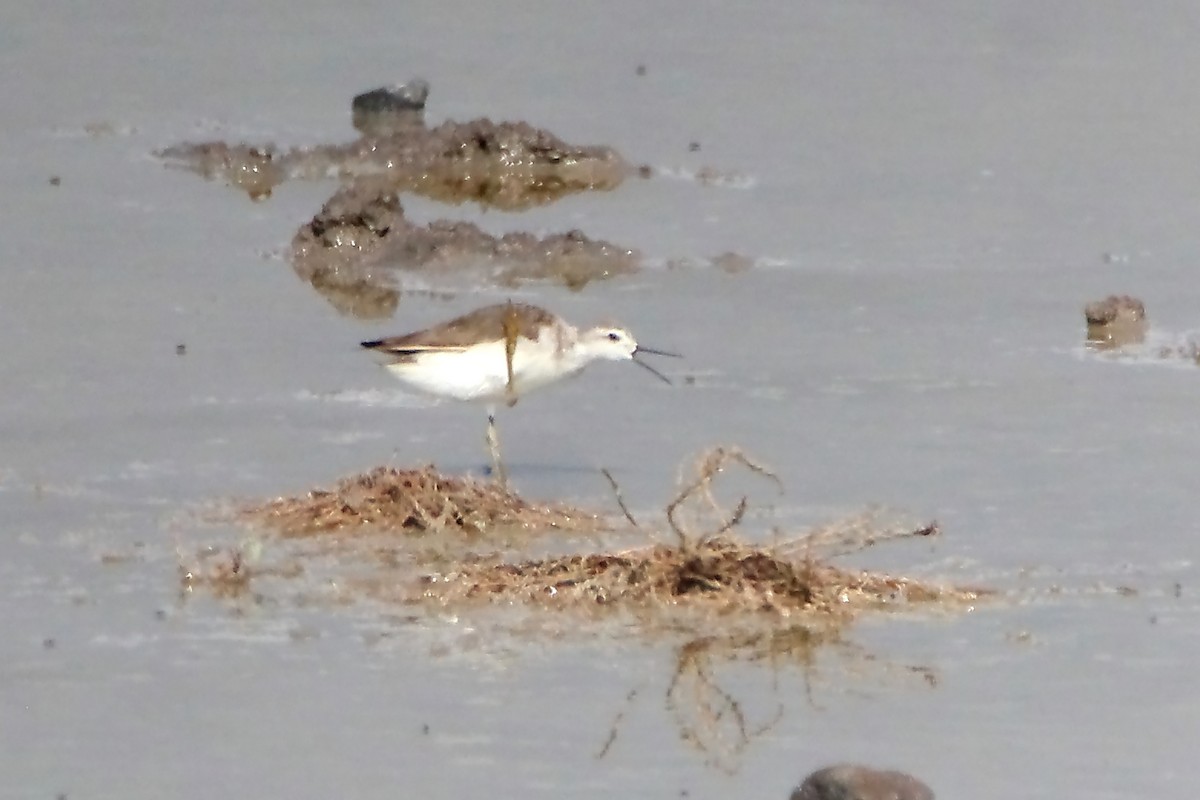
(483, 324)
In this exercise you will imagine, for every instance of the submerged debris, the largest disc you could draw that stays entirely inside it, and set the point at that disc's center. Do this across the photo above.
(413, 501)
(227, 572)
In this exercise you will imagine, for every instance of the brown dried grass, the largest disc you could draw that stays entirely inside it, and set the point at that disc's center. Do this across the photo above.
(695, 571)
(414, 501)
(705, 569)
(722, 575)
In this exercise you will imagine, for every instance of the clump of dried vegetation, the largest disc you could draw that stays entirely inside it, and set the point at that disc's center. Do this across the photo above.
(414, 501)
(696, 565)
(706, 569)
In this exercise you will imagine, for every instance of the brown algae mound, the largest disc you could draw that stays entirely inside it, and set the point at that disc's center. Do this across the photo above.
(506, 165)
(413, 501)
(361, 235)
(710, 572)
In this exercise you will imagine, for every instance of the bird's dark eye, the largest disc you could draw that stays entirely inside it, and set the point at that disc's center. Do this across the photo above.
(614, 337)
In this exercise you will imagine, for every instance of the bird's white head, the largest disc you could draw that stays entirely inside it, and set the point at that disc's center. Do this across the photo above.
(614, 343)
(609, 342)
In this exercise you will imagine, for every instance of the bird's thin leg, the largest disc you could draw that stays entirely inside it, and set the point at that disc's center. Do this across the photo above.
(493, 440)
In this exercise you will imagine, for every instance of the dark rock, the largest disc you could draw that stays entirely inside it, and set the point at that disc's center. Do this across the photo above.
(856, 782)
(389, 109)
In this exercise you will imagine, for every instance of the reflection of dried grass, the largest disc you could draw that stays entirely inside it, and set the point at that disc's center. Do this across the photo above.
(708, 717)
(712, 720)
(414, 501)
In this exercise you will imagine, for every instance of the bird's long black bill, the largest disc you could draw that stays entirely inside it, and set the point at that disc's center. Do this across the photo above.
(649, 368)
(654, 352)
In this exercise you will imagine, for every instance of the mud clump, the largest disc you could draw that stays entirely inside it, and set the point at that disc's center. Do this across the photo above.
(1119, 321)
(256, 170)
(1114, 322)
(352, 247)
(507, 165)
(412, 501)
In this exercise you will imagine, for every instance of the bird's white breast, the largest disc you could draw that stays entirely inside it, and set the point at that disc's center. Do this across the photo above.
(481, 372)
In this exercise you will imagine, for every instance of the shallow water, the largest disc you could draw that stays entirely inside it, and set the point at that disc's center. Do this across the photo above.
(931, 194)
